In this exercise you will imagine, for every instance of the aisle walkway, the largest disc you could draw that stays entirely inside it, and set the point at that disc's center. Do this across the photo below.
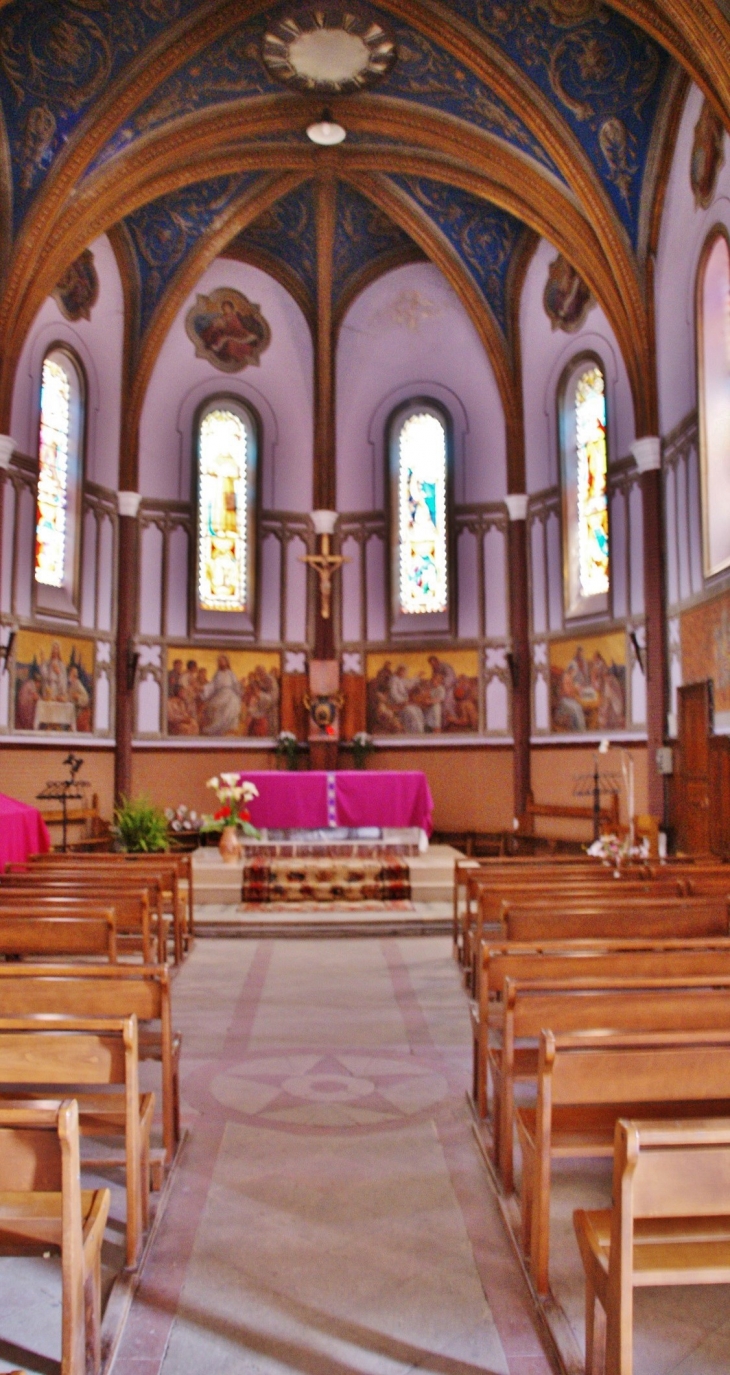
(329, 1213)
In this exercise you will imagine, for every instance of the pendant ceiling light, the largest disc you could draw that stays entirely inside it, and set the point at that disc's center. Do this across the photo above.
(326, 131)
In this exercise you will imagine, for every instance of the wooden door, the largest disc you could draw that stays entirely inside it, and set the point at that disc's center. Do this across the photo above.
(695, 729)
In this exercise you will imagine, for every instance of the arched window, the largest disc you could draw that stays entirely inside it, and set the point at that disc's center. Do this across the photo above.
(419, 462)
(226, 442)
(60, 476)
(584, 453)
(713, 340)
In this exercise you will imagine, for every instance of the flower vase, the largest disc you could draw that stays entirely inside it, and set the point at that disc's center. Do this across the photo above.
(229, 846)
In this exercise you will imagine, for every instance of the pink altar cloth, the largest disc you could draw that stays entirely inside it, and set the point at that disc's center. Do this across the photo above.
(23, 832)
(351, 797)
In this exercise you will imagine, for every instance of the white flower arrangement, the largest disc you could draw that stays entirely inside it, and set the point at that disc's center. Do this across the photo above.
(613, 851)
(234, 794)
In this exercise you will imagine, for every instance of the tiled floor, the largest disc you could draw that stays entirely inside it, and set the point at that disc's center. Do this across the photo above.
(329, 1213)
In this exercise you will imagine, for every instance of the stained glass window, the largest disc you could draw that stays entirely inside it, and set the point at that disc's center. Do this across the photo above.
(53, 474)
(592, 456)
(223, 511)
(713, 336)
(422, 514)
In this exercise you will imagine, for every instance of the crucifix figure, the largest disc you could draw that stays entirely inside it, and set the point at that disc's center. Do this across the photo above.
(325, 564)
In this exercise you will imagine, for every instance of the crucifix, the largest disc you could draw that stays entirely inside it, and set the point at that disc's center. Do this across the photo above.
(324, 563)
(324, 699)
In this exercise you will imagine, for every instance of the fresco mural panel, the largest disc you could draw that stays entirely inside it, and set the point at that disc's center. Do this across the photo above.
(54, 682)
(223, 692)
(588, 683)
(423, 693)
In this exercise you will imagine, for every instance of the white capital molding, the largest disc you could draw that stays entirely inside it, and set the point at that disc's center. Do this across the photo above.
(516, 503)
(647, 453)
(7, 449)
(324, 522)
(128, 503)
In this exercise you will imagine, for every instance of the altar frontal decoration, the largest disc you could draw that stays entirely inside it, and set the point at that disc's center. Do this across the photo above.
(228, 330)
(423, 693)
(217, 693)
(327, 880)
(54, 682)
(588, 683)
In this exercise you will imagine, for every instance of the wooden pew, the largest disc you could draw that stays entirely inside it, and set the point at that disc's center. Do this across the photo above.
(137, 928)
(573, 960)
(585, 1083)
(647, 917)
(67, 990)
(627, 1003)
(669, 1225)
(94, 1058)
(175, 872)
(470, 876)
(43, 1208)
(50, 936)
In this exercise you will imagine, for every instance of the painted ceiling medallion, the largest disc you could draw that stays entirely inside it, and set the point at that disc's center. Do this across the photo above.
(328, 49)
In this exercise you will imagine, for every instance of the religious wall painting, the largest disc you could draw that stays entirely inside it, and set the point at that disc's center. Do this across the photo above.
(54, 682)
(227, 329)
(708, 155)
(705, 636)
(588, 683)
(423, 692)
(566, 298)
(77, 291)
(223, 692)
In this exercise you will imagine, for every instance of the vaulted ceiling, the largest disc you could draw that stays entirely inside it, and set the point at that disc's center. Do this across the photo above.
(497, 121)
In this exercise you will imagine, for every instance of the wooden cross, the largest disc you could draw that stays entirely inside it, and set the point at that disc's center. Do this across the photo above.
(325, 565)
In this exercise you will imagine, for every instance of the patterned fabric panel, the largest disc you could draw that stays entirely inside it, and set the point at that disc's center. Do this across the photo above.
(328, 880)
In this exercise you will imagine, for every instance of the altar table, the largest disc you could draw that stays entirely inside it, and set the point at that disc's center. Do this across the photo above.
(23, 832)
(350, 797)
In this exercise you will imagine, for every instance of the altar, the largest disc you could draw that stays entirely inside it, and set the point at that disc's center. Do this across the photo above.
(346, 798)
(23, 832)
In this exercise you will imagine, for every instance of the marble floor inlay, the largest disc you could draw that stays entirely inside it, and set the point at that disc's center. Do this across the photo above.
(329, 1212)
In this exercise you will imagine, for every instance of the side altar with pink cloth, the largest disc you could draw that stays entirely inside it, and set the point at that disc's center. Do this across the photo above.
(350, 797)
(23, 832)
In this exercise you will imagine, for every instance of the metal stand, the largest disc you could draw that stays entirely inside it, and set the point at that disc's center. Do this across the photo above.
(71, 789)
(593, 785)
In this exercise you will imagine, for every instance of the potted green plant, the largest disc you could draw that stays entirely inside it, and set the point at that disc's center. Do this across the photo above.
(139, 826)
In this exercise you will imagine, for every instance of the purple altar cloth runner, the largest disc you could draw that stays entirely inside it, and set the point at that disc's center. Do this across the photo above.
(298, 801)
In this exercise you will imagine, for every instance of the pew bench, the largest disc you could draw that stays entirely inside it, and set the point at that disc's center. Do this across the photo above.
(625, 1004)
(77, 991)
(138, 929)
(669, 1225)
(585, 1083)
(43, 1208)
(96, 1060)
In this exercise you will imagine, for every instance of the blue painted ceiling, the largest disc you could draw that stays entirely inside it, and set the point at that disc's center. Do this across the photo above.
(602, 78)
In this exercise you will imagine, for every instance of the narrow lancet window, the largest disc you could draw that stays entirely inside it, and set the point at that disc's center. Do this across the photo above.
(584, 462)
(223, 554)
(53, 474)
(713, 342)
(422, 477)
(592, 455)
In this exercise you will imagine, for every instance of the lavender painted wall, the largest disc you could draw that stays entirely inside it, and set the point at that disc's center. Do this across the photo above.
(683, 232)
(99, 343)
(545, 354)
(280, 389)
(409, 330)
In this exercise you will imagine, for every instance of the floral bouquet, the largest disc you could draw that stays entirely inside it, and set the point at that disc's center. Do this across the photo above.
(615, 852)
(362, 745)
(234, 794)
(287, 745)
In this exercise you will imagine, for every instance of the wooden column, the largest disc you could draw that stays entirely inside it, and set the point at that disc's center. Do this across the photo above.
(325, 478)
(127, 587)
(520, 635)
(647, 453)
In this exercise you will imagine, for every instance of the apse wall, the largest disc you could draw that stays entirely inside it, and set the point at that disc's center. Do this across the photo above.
(407, 337)
(698, 607)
